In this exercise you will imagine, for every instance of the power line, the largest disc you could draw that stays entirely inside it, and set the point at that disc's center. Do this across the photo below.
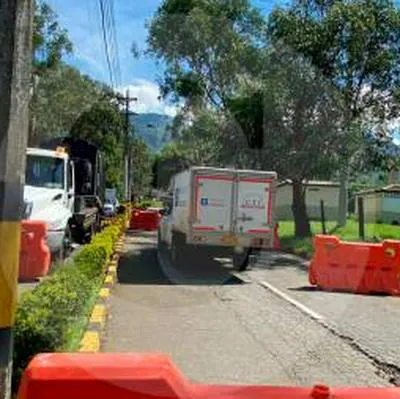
(113, 39)
(105, 30)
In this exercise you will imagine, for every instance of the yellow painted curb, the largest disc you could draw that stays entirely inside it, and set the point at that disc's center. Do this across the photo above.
(109, 279)
(98, 315)
(104, 293)
(90, 342)
(112, 269)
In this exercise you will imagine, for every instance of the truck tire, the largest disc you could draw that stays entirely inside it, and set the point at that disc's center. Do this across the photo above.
(241, 261)
(64, 251)
(177, 249)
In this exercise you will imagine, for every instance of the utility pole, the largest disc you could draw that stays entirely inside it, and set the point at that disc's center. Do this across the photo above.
(126, 100)
(16, 21)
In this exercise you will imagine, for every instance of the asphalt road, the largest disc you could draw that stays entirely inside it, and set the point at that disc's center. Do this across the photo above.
(221, 327)
(370, 322)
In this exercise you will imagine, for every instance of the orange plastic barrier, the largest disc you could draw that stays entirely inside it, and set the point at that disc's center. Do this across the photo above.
(34, 258)
(130, 376)
(356, 267)
(145, 219)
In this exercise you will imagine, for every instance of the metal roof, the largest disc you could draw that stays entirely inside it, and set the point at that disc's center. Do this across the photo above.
(391, 188)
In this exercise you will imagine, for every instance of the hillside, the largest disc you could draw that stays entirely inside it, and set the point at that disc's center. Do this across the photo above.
(152, 128)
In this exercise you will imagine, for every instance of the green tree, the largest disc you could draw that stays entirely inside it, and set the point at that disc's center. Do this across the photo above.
(292, 120)
(142, 173)
(50, 40)
(61, 95)
(207, 45)
(356, 45)
(50, 44)
(102, 125)
(170, 161)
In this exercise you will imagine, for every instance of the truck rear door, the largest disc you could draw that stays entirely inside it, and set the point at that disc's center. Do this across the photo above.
(213, 202)
(254, 204)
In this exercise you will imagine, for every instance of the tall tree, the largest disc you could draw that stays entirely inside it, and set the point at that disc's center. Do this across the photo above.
(293, 118)
(356, 45)
(102, 125)
(61, 95)
(50, 40)
(206, 46)
(142, 173)
(50, 44)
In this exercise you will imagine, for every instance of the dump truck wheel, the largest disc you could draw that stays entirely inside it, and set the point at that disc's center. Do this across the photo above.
(241, 261)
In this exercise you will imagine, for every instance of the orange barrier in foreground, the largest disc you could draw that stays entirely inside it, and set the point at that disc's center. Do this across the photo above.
(130, 376)
(34, 257)
(356, 267)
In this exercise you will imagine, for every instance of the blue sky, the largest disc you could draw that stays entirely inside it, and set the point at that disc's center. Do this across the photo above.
(82, 20)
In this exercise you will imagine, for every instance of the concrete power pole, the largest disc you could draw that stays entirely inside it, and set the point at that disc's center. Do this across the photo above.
(16, 20)
(127, 156)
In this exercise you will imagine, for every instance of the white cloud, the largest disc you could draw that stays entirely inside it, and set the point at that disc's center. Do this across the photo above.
(148, 98)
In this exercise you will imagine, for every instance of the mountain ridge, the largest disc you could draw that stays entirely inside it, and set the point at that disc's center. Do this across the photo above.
(152, 127)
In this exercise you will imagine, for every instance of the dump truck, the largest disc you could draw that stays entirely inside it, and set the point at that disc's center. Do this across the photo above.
(64, 187)
(220, 208)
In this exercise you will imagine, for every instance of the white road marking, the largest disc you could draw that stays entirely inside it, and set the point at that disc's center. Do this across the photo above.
(293, 302)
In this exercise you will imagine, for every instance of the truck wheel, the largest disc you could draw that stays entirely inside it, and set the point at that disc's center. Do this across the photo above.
(64, 251)
(177, 249)
(241, 261)
(160, 242)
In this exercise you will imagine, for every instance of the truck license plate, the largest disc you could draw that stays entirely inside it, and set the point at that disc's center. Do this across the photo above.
(230, 240)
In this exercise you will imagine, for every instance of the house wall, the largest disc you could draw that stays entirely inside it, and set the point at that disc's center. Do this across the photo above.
(381, 208)
(372, 206)
(390, 208)
(314, 195)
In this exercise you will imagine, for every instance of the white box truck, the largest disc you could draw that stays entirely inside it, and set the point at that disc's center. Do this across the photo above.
(220, 208)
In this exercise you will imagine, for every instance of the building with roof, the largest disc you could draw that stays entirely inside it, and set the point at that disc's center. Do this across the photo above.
(381, 205)
(316, 190)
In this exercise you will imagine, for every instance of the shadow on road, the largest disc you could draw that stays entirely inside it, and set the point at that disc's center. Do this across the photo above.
(308, 288)
(336, 291)
(141, 267)
(271, 260)
(145, 264)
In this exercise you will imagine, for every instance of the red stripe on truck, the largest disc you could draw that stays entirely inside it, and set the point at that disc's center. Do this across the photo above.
(259, 231)
(205, 228)
(257, 180)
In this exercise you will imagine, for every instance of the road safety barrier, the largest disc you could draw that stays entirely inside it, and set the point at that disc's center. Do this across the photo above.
(34, 260)
(145, 219)
(131, 376)
(356, 267)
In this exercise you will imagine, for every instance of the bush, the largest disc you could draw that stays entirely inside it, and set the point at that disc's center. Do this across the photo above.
(149, 203)
(45, 316)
